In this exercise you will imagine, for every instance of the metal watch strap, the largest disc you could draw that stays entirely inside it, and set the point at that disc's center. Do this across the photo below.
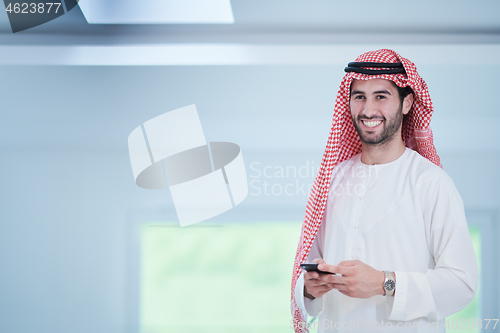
(388, 283)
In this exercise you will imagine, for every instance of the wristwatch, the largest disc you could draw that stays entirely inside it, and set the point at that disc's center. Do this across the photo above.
(389, 284)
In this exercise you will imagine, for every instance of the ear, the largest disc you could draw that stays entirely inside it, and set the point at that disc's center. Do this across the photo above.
(407, 103)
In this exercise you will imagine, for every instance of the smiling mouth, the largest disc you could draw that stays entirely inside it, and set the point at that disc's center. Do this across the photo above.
(371, 123)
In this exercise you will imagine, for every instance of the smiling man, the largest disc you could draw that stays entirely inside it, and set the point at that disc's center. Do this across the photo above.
(382, 215)
(376, 111)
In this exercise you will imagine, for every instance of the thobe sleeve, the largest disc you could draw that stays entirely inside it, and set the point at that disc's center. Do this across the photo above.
(452, 283)
(314, 307)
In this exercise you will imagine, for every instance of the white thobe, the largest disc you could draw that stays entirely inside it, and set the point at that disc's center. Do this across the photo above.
(406, 217)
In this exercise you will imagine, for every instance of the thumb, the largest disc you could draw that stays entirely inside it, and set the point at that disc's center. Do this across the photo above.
(318, 261)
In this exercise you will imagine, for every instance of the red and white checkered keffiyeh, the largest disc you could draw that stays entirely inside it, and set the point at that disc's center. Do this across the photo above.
(344, 142)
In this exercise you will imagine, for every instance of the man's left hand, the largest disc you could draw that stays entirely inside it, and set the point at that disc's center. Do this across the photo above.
(358, 279)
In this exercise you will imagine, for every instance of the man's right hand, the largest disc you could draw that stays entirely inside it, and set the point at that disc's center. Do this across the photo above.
(318, 284)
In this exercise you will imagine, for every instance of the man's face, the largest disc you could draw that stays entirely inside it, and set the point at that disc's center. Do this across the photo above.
(376, 110)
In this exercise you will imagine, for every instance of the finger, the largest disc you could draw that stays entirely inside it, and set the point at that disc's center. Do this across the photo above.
(311, 275)
(329, 268)
(340, 287)
(322, 288)
(319, 288)
(318, 261)
(338, 279)
(317, 282)
(347, 263)
(330, 278)
(342, 270)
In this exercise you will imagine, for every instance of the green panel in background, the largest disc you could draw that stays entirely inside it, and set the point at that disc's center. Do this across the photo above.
(233, 278)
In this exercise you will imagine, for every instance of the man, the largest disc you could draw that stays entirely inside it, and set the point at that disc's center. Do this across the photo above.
(382, 214)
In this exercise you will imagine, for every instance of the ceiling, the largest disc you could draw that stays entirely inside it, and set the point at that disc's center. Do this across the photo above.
(289, 21)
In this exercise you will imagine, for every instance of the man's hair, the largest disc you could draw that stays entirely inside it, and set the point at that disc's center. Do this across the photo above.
(403, 92)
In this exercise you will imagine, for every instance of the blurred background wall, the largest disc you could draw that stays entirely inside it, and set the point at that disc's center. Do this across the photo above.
(69, 205)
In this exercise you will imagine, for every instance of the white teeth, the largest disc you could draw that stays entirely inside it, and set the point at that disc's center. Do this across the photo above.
(372, 123)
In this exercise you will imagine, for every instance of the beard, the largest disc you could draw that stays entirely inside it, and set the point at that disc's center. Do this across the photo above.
(390, 129)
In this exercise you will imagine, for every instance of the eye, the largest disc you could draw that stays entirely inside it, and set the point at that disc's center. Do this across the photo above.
(359, 97)
(381, 97)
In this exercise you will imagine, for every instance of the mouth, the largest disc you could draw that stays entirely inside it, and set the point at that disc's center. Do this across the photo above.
(371, 123)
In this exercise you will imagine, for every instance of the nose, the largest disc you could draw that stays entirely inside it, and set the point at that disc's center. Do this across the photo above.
(370, 109)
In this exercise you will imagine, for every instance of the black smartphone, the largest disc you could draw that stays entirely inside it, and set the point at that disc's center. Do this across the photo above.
(313, 268)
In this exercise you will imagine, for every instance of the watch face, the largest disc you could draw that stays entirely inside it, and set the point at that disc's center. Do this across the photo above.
(389, 285)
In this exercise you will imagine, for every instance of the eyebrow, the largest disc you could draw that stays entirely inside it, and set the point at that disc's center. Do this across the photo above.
(382, 92)
(357, 92)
